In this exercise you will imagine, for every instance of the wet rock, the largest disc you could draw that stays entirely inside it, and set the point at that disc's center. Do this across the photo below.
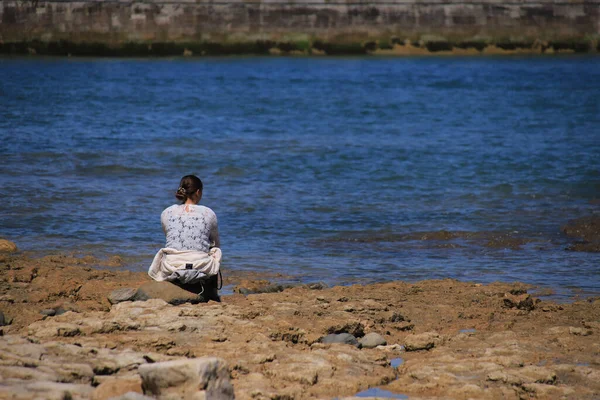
(123, 294)
(587, 230)
(590, 247)
(343, 338)
(372, 340)
(6, 246)
(166, 291)
(521, 302)
(184, 378)
(423, 341)
(271, 288)
(317, 286)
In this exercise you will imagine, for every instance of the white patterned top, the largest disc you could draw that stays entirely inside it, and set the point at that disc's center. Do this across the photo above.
(190, 227)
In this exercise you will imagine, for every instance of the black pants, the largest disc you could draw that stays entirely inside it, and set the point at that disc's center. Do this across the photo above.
(207, 289)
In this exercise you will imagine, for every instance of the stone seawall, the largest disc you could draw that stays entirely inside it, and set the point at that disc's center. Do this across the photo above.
(204, 27)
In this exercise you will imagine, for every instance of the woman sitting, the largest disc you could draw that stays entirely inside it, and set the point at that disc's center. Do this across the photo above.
(191, 257)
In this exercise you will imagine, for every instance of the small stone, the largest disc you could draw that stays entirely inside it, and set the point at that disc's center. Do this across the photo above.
(372, 340)
(343, 338)
(50, 312)
(123, 294)
(6, 246)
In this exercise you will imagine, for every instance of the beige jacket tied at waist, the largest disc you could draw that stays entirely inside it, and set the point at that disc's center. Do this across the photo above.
(170, 264)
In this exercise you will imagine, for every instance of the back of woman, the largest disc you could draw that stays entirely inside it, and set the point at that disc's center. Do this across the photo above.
(191, 257)
(189, 226)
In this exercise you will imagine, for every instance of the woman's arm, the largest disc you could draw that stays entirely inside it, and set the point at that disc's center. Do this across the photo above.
(214, 239)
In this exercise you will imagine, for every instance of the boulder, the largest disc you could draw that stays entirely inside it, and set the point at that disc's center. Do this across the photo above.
(343, 338)
(123, 294)
(6, 246)
(372, 340)
(185, 378)
(166, 291)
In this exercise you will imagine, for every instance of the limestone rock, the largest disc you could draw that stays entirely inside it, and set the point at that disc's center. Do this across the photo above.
(6, 246)
(118, 386)
(344, 338)
(119, 295)
(50, 391)
(69, 372)
(184, 378)
(372, 340)
(43, 330)
(423, 341)
(166, 291)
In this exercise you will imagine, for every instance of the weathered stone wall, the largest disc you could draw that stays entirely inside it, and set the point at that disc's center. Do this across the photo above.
(310, 26)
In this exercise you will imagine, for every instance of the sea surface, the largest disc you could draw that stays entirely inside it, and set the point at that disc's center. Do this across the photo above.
(340, 170)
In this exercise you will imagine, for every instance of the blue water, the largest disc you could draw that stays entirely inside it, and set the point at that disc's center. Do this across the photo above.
(318, 168)
(380, 394)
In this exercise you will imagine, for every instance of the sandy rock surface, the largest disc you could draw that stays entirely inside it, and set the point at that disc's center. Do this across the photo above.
(443, 339)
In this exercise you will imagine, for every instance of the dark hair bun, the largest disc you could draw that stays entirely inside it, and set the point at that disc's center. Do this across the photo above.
(189, 185)
(181, 194)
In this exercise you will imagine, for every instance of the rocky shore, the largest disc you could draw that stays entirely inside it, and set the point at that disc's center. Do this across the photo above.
(63, 339)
